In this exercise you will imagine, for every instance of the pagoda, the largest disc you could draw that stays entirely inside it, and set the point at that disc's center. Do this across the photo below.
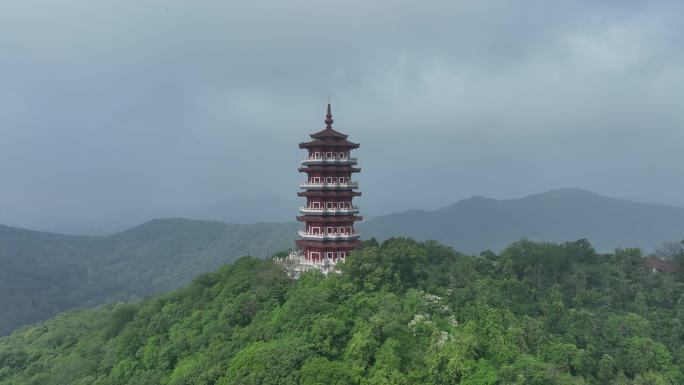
(328, 235)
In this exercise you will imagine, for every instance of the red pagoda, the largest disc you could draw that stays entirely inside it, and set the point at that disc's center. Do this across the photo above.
(328, 235)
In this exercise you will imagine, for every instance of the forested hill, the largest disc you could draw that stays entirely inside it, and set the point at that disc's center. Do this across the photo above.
(401, 313)
(42, 274)
(476, 224)
(45, 273)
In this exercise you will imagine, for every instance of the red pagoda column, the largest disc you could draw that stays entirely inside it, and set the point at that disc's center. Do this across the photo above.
(329, 213)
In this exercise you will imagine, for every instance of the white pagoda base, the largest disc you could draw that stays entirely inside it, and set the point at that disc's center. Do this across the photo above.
(296, 263)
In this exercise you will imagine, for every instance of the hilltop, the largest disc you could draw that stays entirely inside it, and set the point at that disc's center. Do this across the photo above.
(402, 312)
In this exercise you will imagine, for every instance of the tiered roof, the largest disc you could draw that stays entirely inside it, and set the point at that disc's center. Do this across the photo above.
(329, 193)
(334, 245)
(339, 168)
(329, 218)
(329, 137)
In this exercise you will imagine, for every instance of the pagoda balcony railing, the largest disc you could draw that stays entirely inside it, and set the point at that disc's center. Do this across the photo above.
(321, 185)
(329, 210)
(321, 160)
(328, 236)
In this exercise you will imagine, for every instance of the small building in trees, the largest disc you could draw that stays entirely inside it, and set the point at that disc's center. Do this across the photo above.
(658, 265)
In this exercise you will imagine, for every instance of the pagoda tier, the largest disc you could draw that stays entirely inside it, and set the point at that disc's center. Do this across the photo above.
(337, 169)
(327, 245)
(344, 144)
(329, 218)
(331, 193)
(329, 215)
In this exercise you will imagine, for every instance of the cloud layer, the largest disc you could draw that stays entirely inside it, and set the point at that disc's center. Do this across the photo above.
(126, 109)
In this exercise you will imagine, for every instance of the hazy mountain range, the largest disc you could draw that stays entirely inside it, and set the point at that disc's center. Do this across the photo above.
(478, 223)
(44, 273)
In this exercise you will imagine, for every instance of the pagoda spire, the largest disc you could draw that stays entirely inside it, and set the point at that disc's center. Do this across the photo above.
(328, 118)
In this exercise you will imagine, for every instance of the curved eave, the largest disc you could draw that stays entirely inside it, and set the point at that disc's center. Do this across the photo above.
(328, 132)
(329, 218)
(329, 169)
(329, 193)
(327, 244)
(322, 143)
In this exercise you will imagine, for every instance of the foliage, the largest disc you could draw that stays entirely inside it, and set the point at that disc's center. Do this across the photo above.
(402, 312)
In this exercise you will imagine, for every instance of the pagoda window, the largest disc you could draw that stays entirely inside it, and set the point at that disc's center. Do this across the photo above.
(315, 230)
(341, 155)
(316, 205)
(315, 255)
(330, 230)
(316, 155)
(329, 254)
(329, 155)
(316, 179)
(328, 180)
(328, 205)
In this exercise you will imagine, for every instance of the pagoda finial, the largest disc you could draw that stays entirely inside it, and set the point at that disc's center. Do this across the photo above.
(328, 118)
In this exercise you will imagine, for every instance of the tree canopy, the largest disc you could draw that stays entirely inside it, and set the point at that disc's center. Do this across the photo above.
(401, 312)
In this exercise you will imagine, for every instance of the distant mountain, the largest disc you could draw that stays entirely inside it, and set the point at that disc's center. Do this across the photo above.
(259, 208)
(478, 223)
(42, 274)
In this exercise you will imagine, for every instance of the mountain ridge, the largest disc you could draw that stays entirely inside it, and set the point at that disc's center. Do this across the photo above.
(478, 223)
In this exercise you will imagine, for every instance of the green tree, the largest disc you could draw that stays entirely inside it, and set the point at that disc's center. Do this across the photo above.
(320, 371)
(268, 363)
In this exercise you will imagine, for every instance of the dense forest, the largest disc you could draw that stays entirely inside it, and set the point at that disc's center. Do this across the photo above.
(42, 274)
(401, 312)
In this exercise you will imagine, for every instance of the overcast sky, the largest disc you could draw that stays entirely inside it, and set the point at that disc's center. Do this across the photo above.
(135, 109)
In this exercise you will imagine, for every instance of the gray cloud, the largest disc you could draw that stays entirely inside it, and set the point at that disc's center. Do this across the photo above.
(127, 109)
